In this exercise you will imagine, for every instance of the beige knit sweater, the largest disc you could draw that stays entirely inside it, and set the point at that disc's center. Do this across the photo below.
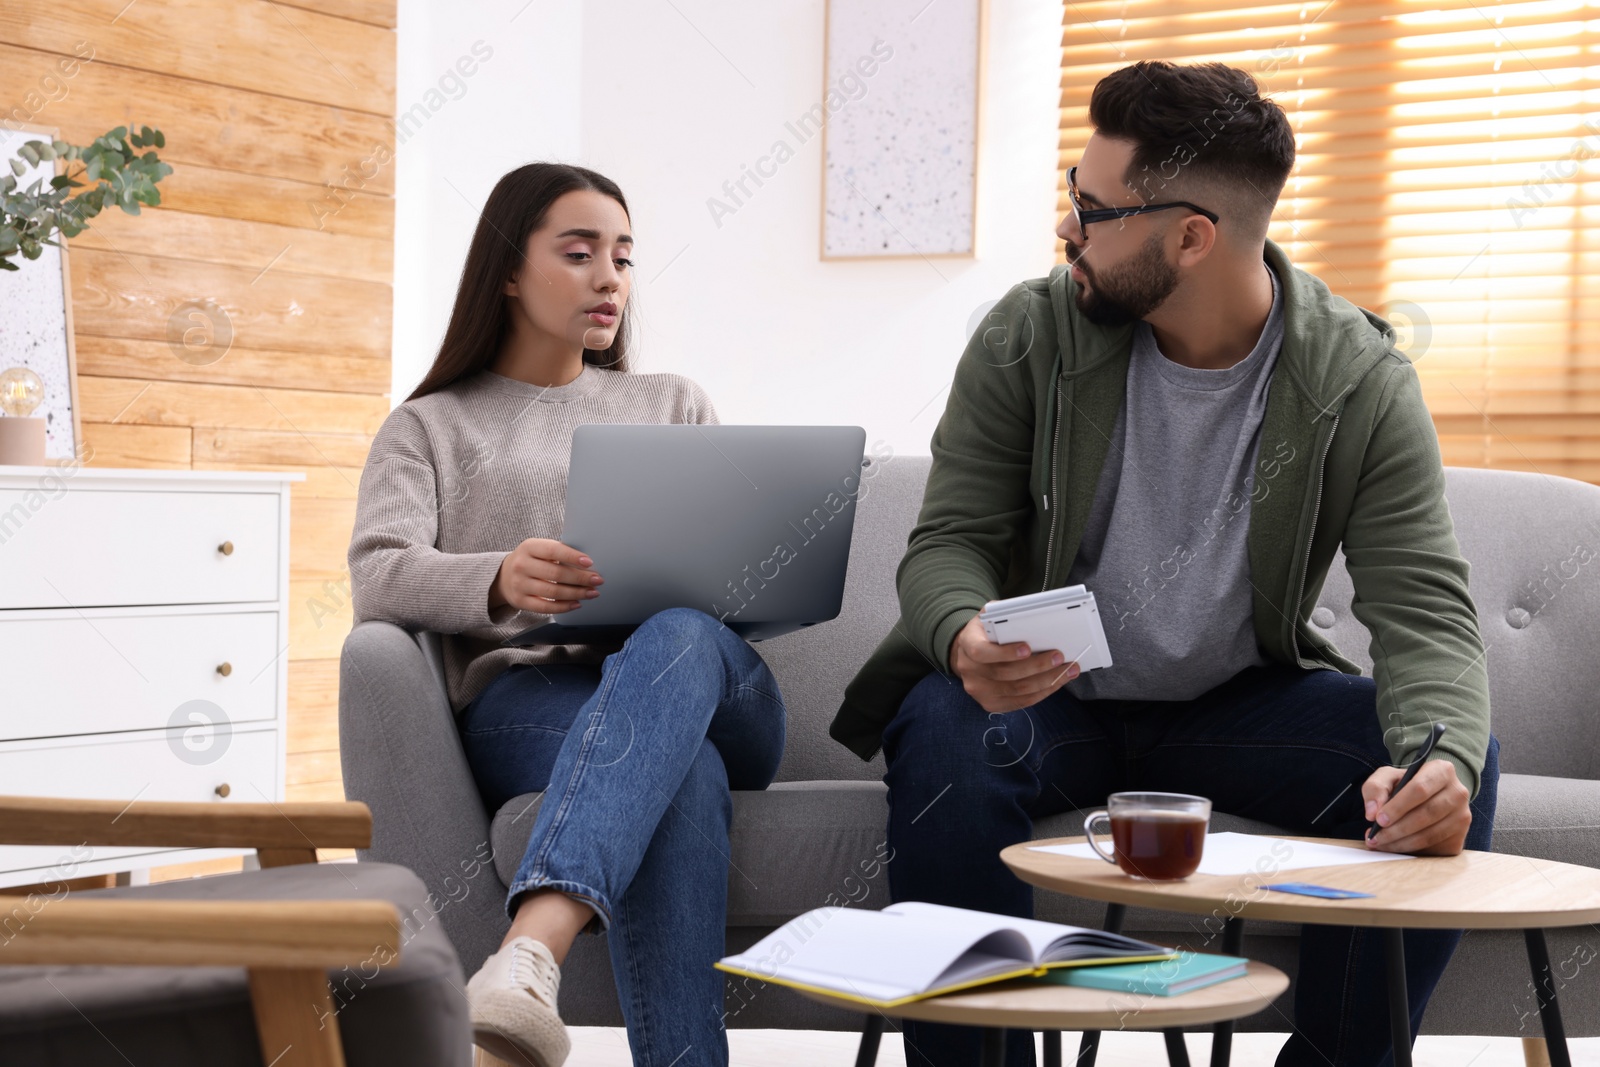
(457, 479)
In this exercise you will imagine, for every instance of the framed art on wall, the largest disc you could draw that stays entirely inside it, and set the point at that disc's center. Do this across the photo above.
(900, 123)
(36, 315)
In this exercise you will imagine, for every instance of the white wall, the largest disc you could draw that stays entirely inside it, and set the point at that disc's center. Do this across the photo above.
(671, 100)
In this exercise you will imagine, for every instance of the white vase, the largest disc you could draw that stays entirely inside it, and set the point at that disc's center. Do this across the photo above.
(21, 441)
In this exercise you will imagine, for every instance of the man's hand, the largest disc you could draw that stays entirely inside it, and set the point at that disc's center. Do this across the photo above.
(1429, 816)
(1006, 677)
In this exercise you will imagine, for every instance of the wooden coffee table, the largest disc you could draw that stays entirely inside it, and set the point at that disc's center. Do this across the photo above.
(1472, 891)
(1031, 1005)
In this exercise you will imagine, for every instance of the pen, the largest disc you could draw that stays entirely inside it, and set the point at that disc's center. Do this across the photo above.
(1411, 771)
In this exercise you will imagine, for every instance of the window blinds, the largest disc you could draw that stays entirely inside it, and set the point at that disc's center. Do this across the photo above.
(1448, 178)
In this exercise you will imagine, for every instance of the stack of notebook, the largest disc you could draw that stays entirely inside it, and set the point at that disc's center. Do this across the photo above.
(1163, 978)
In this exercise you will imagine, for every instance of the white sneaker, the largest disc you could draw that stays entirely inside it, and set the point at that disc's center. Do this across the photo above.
(513, 1005)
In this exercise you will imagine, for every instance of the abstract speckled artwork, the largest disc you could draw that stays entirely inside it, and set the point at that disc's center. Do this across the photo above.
(33, 319)
(901, 99)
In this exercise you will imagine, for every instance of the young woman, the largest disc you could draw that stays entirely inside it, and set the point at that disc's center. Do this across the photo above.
(635, 747)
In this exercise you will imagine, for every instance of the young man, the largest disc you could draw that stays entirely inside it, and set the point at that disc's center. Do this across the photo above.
(1190, 426)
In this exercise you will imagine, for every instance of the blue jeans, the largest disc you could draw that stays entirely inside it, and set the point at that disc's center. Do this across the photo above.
(1274, 743)
(635, 758)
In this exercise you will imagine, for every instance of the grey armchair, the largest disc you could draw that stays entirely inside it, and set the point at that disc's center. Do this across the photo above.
(817, 835)
(297, 964)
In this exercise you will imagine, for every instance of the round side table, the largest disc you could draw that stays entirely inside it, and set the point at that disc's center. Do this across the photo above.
(1031, 1005)
(1471, 891)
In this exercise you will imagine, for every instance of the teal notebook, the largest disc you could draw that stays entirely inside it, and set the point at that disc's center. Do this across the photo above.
(1162, 978)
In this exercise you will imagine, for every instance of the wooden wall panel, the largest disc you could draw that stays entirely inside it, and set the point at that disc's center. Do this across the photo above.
(319, 616)
(321, 543)
(210, 239)
(231, 129)
(242, 407)
(293, 52)
(317, 683)
(124, 294)
(228, 449)
(123, 357)
(377, 12)
(228, 194)
(280, 212)
(123, 445)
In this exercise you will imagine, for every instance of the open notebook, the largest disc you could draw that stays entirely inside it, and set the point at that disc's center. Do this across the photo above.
(912, 950)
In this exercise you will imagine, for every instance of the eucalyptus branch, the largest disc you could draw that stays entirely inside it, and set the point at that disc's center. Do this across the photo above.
(31, 218)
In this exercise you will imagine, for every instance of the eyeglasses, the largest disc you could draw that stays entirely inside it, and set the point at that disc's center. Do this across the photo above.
(1087, 215)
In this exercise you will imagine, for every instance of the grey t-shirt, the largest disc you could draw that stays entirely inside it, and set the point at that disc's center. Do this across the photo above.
(1164, 549)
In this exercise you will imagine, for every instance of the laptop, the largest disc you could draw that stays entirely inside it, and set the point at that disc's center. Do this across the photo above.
(749, 524)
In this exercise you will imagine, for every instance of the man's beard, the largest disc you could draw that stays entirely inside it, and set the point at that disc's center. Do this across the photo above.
(1129, 291)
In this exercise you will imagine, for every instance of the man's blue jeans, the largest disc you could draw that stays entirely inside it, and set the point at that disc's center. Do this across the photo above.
(635, 758)
(1273, 743)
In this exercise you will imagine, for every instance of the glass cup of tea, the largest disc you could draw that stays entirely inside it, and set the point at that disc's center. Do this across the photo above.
(1156, 837)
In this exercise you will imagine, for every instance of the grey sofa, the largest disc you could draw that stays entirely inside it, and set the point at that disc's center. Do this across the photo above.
(816, 836)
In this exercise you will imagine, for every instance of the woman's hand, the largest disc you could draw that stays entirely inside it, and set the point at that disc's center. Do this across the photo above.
(544, 576)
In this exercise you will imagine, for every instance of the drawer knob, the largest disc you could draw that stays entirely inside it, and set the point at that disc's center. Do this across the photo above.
(224, 668)
(223, 790)
(226, 548)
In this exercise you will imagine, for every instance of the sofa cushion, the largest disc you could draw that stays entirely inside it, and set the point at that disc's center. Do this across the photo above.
(1549, 818)
(795, 846)
(803, 845)
(413, 1012)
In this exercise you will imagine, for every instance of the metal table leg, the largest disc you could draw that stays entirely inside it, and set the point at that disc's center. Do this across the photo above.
(994, 1047)
(1177, 1051)
(1089, 1047)
(1052, 1048)
(1222, 1033)
(871, 1034)
(1555, 1034)
(1394, 942)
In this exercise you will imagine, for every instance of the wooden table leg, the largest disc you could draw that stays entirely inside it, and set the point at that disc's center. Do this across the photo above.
(1089, 1047)
(871, 1034)
(1555, 1034)
(1222, 1033)
(1177, 1051)
(1394, 944)
(1052, 1048)
(994, 1047)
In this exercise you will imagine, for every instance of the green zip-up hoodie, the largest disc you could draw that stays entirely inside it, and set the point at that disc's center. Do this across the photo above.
(1348, 455)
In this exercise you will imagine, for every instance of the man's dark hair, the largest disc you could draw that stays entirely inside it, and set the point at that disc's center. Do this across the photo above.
(1202, 132)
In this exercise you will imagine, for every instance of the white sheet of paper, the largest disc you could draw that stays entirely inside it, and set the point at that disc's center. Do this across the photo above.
(1231, 853)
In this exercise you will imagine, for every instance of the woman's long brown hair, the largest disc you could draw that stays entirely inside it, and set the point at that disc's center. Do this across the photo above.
(479, 322)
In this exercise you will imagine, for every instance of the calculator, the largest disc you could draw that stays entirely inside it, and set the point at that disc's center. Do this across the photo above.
(1064, 619)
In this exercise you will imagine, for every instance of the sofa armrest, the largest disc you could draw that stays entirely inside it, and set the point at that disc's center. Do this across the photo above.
(280, 833)
(401, 754)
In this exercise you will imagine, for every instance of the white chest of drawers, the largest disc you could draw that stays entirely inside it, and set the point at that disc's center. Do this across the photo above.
(144, 634)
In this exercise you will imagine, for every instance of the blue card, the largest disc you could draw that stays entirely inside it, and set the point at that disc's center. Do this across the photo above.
(1306, 889)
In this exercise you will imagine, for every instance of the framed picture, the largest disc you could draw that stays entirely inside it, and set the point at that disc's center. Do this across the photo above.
(900, 125)
(36, 329)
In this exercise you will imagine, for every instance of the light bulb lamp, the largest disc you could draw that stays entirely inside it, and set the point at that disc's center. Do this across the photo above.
(21, 433)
